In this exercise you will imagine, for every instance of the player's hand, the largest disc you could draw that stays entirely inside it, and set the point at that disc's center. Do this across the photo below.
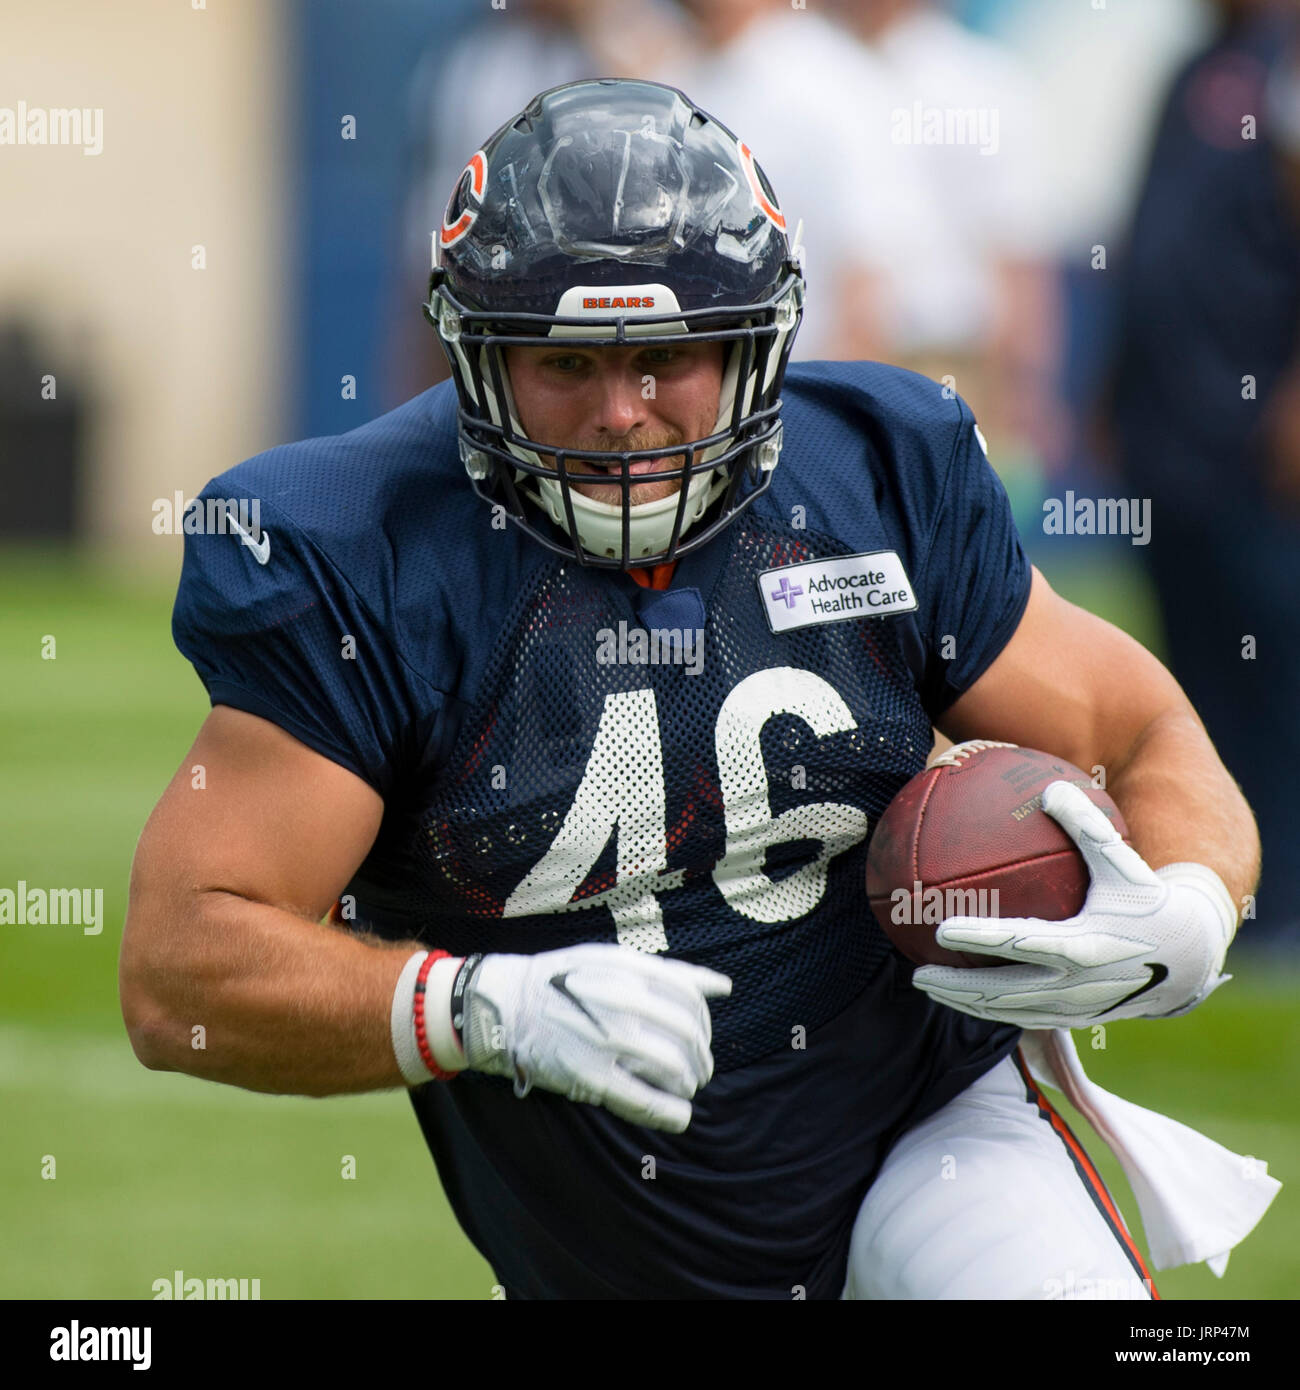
(598, 1023)
(1147, 944)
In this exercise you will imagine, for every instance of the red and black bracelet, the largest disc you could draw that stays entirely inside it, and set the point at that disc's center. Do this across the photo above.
(421, 1038)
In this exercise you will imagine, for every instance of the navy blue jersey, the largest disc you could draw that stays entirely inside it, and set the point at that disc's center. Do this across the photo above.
(551, 776)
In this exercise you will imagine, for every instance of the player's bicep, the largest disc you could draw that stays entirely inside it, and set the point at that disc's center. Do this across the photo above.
(1067, 682)
(255, 813)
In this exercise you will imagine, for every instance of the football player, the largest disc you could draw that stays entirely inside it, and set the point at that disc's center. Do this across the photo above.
(576, 687)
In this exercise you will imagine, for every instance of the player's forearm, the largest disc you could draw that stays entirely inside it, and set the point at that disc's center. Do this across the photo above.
(1181, 804)
(255, 996)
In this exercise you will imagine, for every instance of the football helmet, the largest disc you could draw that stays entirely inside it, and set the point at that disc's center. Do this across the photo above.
(606, 212)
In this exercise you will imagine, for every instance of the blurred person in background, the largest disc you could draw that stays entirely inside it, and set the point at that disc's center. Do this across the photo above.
(1098, 76)
(1205, 407)
(979, 299)
(489, 74)
(819, 106)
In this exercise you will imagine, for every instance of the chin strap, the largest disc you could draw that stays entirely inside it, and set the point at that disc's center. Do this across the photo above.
(600, 524)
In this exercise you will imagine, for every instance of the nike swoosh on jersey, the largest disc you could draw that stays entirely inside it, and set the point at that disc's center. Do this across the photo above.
(261, 549)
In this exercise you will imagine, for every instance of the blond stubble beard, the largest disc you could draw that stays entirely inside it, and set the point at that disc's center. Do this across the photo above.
(639, 493)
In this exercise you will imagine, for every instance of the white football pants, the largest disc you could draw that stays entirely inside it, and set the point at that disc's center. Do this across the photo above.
(993, 1197)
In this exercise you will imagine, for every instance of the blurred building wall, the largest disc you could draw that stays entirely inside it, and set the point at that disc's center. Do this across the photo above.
(186, 369)
(358, 59)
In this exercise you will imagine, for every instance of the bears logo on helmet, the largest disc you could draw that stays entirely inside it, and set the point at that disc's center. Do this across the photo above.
(477, 171)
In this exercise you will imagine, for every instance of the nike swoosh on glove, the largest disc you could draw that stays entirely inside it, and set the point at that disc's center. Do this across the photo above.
(1147, 943)
(598, 1023)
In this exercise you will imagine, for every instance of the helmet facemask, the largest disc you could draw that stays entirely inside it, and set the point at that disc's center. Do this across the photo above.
(723, 472)
(607, 213)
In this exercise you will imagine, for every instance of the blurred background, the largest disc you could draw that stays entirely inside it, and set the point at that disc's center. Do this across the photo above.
(216, 237)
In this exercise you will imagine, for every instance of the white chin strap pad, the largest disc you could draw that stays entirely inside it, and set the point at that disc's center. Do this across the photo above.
(650, 524)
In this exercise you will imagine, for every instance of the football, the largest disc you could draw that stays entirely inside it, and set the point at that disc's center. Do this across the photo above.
(969, 837)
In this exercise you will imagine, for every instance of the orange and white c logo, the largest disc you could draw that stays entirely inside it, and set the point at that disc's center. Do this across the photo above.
(477, 170)
(756, 188)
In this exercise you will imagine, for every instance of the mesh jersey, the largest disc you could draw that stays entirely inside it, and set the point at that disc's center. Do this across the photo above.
(548, 781)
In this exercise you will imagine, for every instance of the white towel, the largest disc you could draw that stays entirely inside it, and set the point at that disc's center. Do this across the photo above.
(1197, 1198)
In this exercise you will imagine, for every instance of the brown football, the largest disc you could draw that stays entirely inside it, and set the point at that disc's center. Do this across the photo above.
(969, 837)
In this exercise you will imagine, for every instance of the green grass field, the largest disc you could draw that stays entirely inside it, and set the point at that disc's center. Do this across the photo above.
(158, 1172)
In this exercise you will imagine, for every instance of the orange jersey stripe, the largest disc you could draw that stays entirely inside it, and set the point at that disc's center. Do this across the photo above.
(1089, 1173)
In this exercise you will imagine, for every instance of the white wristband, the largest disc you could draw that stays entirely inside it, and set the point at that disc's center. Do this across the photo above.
(1203, 878)
(437, 1019)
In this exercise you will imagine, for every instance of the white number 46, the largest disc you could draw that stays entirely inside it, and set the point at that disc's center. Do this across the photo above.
(622, 793)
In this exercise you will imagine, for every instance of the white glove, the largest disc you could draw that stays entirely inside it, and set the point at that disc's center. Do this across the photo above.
(1147, 943)
(598, 1023)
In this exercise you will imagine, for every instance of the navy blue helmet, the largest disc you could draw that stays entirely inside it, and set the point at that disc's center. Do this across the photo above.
(606, 212)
